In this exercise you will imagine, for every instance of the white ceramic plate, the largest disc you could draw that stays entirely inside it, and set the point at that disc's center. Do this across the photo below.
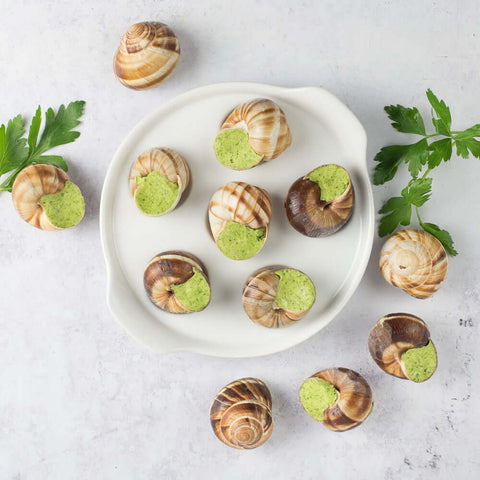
(323, 131)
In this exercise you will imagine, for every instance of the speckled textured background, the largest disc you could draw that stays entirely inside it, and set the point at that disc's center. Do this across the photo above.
(79, 399)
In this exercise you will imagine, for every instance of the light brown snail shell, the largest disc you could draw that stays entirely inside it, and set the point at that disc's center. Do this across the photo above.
(239, 202)
(168, 163)
(31, 184)
(313, 217)
(241, 414)
(167, 269)
(266, 124)
(354, 402)
(415, 261)
(258, 300)
(147, 55)
(392, 336)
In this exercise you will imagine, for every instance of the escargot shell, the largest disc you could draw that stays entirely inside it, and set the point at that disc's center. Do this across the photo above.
(167, 269)
(31, 184)
(266, 124)
(258, 300)
(392, 336)
(415, 261)
(168, 163)
(147, 55)
(354, 402)
(241, 414)
(239, 202)
(313, 217)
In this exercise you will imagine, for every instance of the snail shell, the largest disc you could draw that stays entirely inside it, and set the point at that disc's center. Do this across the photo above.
(392, 336)
(241, 414)
(266, 124)
(415, 261)
(313, 217)
(167, 269)
(168, 163)
(354, 402)
(239, 202)
(31, 184)
(258, 300)
(147, 55)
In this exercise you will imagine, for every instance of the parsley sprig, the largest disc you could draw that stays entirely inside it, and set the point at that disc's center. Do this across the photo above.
(421, 158)
(17, 152)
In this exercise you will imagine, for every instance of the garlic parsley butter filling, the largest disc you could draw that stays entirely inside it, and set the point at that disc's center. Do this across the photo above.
(421, 362)
(233, 149)
(240, 242)
(194, 294)
(332, 180)
(295, 292)
(316, 395)
(155, 194)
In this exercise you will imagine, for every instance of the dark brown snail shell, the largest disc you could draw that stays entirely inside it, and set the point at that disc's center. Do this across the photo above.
(167, 269)
(241, 414)
(392, 336)
(354, 402)
(313, 217)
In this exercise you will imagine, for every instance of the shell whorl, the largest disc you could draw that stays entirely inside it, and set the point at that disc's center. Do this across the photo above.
(266, 124)
(241, 414)
(313, 217)
(147, 55)
(354, 402)
(167, 269)
(415, 261)
(258, 300)
(392, 336)
(32, 183)
(165, 161)
(241, 203)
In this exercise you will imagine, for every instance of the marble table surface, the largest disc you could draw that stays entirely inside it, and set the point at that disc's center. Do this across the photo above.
(80, 399)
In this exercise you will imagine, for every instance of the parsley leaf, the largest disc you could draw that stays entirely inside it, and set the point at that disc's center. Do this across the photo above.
(442, 235)
(418, 191)
(399, 211)
(439, 150)
(417, 157)
(443, 123)
(13, 151)
(406, 120)
(34, 129)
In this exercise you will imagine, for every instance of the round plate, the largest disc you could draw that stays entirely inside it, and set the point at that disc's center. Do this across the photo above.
(323, 131)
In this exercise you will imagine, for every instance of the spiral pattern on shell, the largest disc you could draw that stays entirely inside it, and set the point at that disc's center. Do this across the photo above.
(266, 124)
(313, 217)
(354, 402)
(167, 269)
(241, 414)
(31, 184)
(258, 300)
(165, 161)
(392, 336)
(147, 55)
(415, 261)
(239, 202)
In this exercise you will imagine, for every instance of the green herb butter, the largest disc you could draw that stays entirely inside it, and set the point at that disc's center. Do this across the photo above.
(240, 242)
(332, 180)
(316, 395)
(194, 294)
(66, 208)
(233, 149)
(155, 194)
(421, 362)
(295, 290)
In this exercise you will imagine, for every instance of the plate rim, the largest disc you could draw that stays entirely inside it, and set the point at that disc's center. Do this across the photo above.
(173, 340)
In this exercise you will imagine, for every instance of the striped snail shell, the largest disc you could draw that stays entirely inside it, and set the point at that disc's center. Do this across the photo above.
(147, 55)
(354, 401)
(415, 261)
(33, 183)
(392, 336)
(313, 217)
(241, 203)
(259, 296)
(241, 414)
(168, 269)
(266, 125)
(168, 163)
